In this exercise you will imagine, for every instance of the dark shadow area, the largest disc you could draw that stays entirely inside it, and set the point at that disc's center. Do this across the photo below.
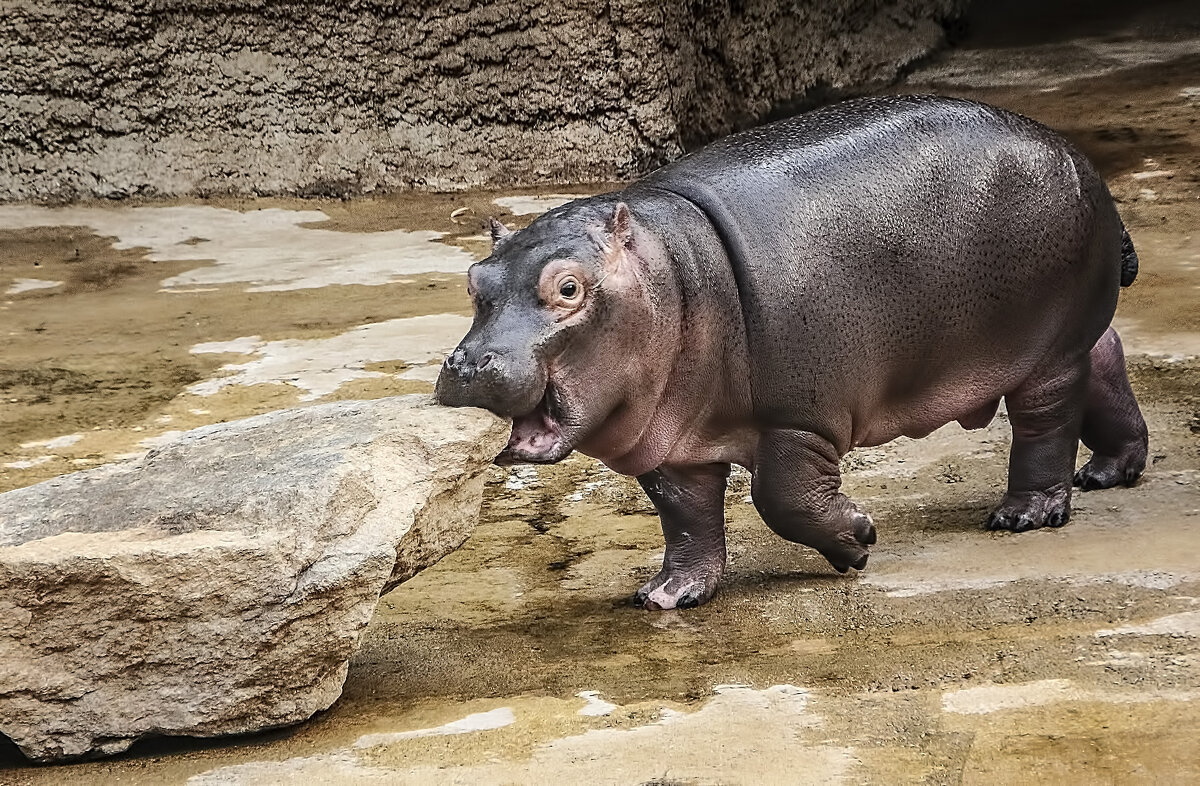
(152, 747)
(1008, 23)
(1116, 146)
(943, 516)
(1018, 24)
(10, 754)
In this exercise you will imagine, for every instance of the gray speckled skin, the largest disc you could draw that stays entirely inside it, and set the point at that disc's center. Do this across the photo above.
(873, 269)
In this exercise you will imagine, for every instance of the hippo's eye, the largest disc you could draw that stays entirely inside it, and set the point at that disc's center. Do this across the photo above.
(561, 289)
(570, 290)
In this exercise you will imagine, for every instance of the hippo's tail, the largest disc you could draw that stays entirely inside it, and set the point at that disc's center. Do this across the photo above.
(1129, 260)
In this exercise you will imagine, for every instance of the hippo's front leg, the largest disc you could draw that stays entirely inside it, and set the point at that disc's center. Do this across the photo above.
(690, 501)
(795, 488)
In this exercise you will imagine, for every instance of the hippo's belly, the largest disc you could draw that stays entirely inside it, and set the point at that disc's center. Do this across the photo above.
(972, 406)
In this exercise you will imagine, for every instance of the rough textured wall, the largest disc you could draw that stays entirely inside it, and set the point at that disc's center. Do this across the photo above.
(154, 97)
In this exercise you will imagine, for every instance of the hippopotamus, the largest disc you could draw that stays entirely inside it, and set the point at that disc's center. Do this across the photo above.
(871, 269)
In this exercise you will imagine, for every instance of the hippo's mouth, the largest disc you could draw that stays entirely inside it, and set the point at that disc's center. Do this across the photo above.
(538, 437)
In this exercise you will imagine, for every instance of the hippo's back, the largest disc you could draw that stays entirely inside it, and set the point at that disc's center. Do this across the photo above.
(864, 128)
(939, 243)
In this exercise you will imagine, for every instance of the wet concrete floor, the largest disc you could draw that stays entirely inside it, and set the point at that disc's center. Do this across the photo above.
(958, 656)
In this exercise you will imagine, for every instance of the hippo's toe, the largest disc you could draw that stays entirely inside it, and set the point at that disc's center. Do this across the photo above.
(1031, 510)
(676, 590)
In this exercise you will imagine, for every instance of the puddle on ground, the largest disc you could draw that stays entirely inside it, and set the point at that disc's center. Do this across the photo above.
(958, 656)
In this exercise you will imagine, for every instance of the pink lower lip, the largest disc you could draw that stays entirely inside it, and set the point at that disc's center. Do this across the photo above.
(537, 433)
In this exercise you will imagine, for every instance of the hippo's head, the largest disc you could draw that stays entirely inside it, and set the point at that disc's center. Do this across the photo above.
(559, 310)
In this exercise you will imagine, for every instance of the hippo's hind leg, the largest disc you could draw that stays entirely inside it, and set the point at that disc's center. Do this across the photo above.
(690, 502)
(795, 488)
(1113, 427)
(1046, 413)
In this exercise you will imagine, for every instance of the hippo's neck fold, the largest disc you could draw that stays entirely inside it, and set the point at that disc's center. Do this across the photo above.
(707, 374)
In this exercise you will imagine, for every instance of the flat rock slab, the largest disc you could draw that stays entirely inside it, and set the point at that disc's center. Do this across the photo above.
(219, 585)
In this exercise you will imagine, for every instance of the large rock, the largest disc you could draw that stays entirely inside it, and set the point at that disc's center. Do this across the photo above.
(128, 98)
(220, 584)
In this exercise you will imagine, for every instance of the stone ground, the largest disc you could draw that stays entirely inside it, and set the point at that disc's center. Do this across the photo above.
(958, 656)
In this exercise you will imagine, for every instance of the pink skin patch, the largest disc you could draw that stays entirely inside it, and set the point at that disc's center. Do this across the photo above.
(537, 433)
(659, 599)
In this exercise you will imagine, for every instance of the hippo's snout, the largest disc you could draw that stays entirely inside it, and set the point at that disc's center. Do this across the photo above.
(492, 379)
(500, 382)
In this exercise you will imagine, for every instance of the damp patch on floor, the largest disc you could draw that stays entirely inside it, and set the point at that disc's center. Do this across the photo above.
(756, 733)
(269, 249)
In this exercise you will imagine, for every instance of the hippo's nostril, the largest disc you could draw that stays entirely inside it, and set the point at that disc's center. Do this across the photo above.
(457, 366)
(485, 361)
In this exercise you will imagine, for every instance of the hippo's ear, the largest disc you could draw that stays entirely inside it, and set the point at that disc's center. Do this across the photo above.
(500, 233)
(620, 227)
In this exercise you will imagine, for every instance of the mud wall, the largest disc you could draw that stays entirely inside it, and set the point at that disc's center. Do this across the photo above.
(116, 98)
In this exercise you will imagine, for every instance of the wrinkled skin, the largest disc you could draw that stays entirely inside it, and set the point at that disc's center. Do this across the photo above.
(877, 268)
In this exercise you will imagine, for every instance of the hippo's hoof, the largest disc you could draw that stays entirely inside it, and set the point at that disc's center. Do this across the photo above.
(1104, 472)
(1032, 510)
(676, 590)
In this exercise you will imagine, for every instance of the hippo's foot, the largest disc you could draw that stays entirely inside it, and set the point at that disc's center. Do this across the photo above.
(691, 504)
(849, 548)
(1045, 411)
(1104, 472)
(1028, 510)
(1113, 426)
(678, 589)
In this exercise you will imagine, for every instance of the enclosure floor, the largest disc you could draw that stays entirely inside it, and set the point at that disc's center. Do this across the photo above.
(958, 656)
